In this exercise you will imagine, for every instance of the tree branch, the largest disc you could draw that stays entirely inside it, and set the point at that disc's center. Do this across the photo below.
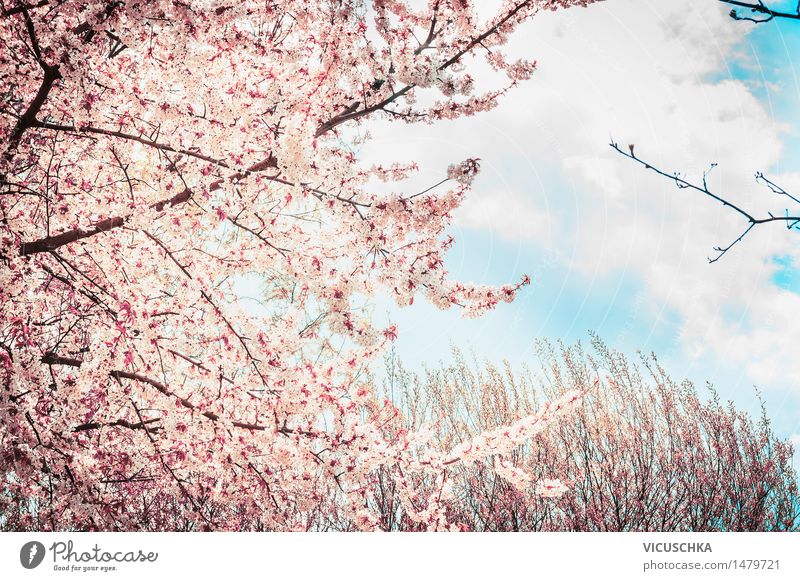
(22, 7)
(350, 113)
(51, 74)
(789, 220)
(50, 243)
(759, 7)
(53, 359)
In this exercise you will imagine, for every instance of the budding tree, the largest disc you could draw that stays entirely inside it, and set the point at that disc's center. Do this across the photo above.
(154, 155)
(641, 452)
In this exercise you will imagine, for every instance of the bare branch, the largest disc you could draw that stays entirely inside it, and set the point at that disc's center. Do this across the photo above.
(760, 8)
(791, 221)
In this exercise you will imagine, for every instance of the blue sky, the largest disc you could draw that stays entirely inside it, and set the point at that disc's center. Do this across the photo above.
(611, 249)
(774, 46)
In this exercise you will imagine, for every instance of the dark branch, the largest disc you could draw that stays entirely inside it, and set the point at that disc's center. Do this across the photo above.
(52, 359)
(89, 129)
(760, 8)
(51, 74)
(22, 8)
(790, 221)
(50, 243)
(354, 112)
(121, 423)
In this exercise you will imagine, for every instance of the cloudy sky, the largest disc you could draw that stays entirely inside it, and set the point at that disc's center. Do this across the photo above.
(610, 247)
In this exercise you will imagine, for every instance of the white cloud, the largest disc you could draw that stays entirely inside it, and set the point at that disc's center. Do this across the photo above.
(511, 214)
(655, 74)
(650, 85)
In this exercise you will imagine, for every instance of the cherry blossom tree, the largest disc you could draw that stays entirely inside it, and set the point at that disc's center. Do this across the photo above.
(155, 155)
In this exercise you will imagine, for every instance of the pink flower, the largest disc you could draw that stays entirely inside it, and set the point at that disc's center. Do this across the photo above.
(550, 488)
